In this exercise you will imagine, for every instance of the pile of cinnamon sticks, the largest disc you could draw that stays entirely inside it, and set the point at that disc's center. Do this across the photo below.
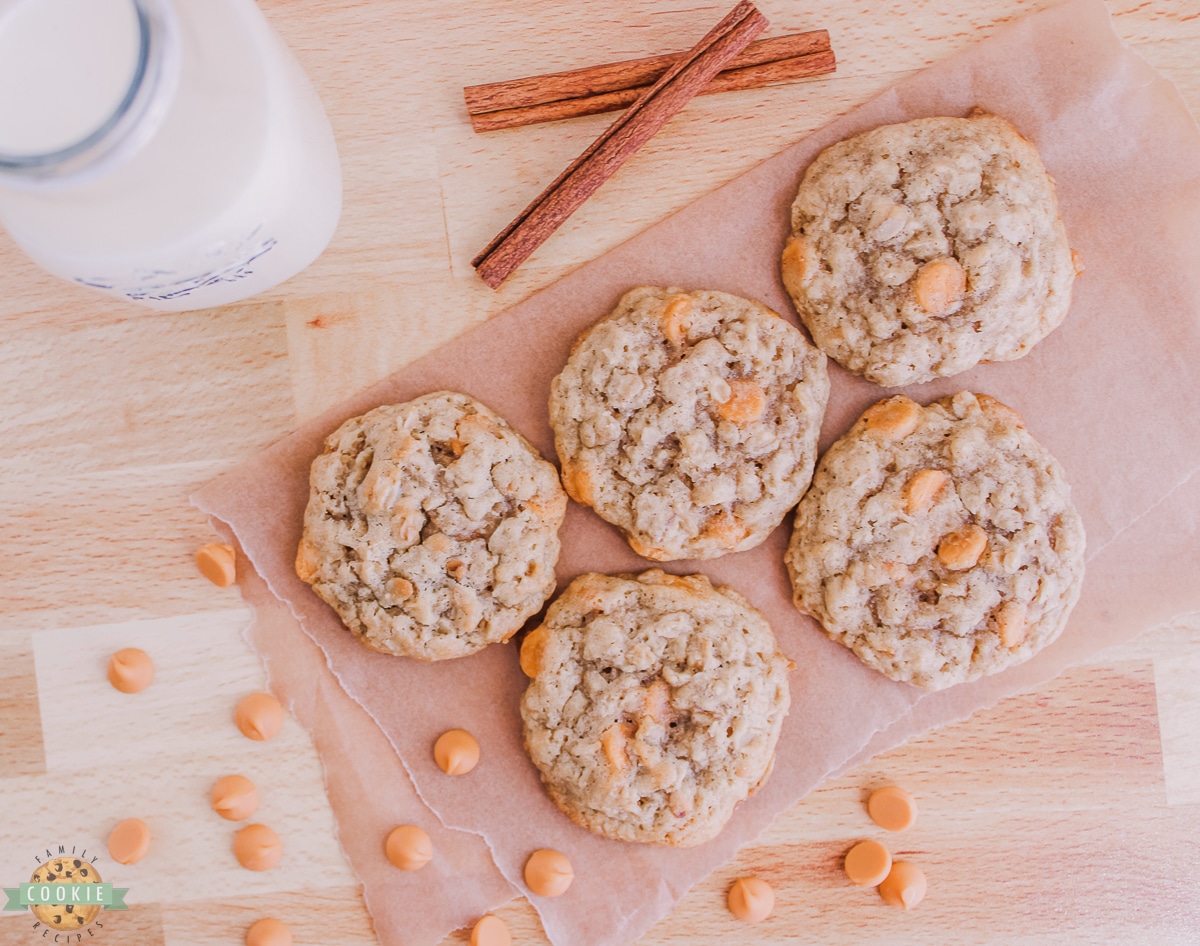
(652, 89)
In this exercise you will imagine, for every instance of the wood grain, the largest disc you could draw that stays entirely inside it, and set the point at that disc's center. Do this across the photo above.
(1062, 817)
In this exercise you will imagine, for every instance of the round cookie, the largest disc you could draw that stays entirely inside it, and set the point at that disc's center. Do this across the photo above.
(431, 527)
(919, 250)
(67, 870)
(654, 704)
(938, 543)
(689, 420)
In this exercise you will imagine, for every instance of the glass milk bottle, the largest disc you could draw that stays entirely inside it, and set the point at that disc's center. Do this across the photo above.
(171, 152)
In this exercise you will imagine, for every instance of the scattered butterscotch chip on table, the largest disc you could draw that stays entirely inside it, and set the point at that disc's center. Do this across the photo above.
(257, 847)
(259, 716)
(867, 863)
(218, 563)
(904, 886)
(490, 931)
(548, 873)
(409, 847)
(129, 841)
(130, 670)
(456, 752)
(751, 899)
(892, 808)
(269, 932)
(234, 797)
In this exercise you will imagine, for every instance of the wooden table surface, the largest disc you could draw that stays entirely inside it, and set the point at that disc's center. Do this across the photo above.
(1066, 816)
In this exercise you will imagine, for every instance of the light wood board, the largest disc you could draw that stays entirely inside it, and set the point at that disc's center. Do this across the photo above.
(1068, 816)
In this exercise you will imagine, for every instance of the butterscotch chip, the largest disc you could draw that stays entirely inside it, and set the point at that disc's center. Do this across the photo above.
(867, 863)
(409, 847)
(939, 286)
(259, 716)
(962, 548)
(689, 420)
(892, 808)
(234, 798)
(490, 931)
(456, 752)
(923, 248)
(548, 873)
(751, 899)
(432, 527)
(129, 841)
(893, 418)
(130, 670)
(257, 847)
(943, 555)
(656, 705)
(904, 886)
(922, 490)
(218, 563)
(531, 651)
(269, 932)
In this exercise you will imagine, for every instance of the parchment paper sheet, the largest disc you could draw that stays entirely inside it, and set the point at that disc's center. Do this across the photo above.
(1110, 393)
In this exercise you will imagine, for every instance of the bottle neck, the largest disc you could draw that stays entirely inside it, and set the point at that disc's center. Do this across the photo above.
(151, 57)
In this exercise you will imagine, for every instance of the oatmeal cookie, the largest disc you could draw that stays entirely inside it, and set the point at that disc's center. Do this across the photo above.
(431, 527)
(919, 250)
(654, 704)
(689, 420)
(938, 543)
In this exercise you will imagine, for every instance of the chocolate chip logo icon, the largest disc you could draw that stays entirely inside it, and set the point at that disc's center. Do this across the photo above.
(66, 871)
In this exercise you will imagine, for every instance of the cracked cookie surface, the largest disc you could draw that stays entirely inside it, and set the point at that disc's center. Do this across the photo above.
(654, 704)
(920, 249)
(431, 527)
(938, 543)
(689, 420)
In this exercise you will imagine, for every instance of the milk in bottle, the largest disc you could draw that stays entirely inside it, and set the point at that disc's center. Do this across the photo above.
(170, 152)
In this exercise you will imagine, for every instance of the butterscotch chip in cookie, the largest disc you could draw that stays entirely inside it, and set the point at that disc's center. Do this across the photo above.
(655, 705)
(689, 420)
(942, 554)
(920, 249)
(432, 527)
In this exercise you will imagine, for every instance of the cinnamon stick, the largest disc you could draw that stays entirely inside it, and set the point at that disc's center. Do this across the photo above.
(657, 105)
(732, 79)
(624, 76)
